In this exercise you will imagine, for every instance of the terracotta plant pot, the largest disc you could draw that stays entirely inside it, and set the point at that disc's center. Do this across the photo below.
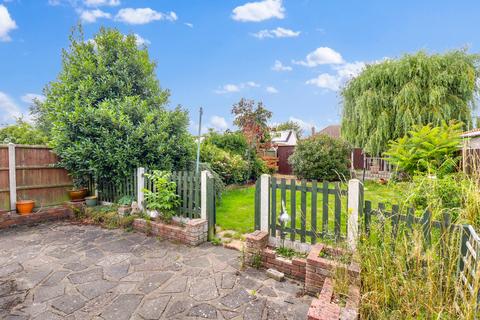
(77, 195)
(25, 207)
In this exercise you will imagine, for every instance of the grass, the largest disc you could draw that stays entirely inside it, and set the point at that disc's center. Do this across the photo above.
(237, 208)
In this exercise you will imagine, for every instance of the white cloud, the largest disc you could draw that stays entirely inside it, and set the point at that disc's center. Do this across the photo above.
(350, 70)
(278, 66)
(305, 125)
(322, 55)
(143, 15)
(326, 81)
(230, 88)
(259, 11)
(8, 109)
(7, 24)
(91, 16)
(30, 97)
(344, 73)
(188, 24)
(219, 123)
(271, 89)
(141, 41)
(276, 33)
(99, 3)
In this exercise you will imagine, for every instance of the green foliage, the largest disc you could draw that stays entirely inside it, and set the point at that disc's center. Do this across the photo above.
(22, 133)
(125, 200)
(321, 157)
(289, 253)
(105, 112)
(427, 149)
(234, 142)
(290, 125)
(256, 260)
(232, 168)
(218, 184)
(387, 99)
(436, 193)
(165, 198)
(253, 122)
(106, 216)
(216, 241)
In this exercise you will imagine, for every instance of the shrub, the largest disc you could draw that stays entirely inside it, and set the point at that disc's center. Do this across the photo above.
(321, 157)
(22, 133)
(165, 198)
(218, 184)
(232, 168)
(427, 149)
(106, 113)
(236, 143)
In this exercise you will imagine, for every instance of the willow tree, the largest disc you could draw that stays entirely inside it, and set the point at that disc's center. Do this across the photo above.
(387, 99)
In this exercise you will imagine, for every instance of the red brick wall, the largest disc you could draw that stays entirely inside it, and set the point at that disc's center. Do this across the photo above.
(194, 232)
(10, 219)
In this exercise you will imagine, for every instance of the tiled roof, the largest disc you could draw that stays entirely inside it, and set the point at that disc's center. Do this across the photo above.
(332, 131)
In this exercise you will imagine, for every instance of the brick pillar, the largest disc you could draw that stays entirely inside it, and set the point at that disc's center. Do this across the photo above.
(255, 243)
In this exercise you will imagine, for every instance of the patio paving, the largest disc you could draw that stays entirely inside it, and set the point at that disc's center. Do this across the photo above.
(65, 271)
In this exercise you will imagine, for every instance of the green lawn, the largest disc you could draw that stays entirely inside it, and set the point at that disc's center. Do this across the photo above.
(237, 208)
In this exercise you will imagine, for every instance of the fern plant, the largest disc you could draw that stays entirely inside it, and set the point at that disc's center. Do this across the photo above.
(427, 149)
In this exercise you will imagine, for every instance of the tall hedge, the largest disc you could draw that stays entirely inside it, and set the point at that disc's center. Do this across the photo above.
(106, 113)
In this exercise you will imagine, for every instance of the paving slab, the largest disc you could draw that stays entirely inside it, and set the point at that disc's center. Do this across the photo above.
(63, 271)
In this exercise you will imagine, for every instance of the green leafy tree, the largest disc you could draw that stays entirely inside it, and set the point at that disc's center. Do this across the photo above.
(106, 111)
(290, 125)
(321, 157)
(427, 149)
(387, 99)
(22, 133)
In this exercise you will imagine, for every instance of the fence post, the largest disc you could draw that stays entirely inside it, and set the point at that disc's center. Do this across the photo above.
(12, 176)
(355, 190)
(264, 201)
(140, 186)
(203, 194)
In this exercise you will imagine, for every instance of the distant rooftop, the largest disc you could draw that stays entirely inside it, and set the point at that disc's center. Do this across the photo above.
(332, 130)
(471, 133)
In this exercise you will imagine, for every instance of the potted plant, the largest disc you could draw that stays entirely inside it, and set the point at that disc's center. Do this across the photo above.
(25, 207)
(164, 200)
(125, 205)
(79, 191)
(91, 201)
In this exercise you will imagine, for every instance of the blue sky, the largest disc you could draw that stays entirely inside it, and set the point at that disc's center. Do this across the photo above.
(293, 55)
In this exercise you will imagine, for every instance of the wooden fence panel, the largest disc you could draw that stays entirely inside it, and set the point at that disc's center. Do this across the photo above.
(36, 176)
(4, 193)
(303, 201)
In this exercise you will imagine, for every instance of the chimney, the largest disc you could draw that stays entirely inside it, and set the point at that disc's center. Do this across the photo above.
(313, 131)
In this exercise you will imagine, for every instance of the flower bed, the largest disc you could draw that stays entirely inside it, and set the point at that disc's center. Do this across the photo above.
(322, 261)
(294, 267)
(317, 270)
(193, 232)
(328, 307)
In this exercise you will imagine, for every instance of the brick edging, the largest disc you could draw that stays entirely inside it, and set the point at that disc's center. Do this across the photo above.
(11, 219)
(315, 270)
(193, 232)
